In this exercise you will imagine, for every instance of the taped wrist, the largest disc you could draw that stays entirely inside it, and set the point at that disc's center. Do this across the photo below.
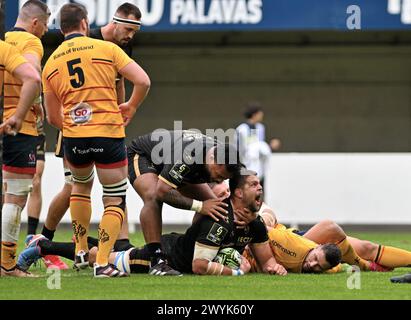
(214, 268)
(197, 205)
(237, 272)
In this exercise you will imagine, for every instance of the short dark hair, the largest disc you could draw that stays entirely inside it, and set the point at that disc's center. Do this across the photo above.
(238, 181)
(34, 8)
(228, 155)
(71, 15)
(251, 109)
(332, 254)
(128, 8)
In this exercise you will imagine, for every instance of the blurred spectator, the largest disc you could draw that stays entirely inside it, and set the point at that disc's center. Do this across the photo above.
(251, 140)
(275, 144)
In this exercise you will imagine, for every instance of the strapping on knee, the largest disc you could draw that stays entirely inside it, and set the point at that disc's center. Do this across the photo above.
(18, 187)
(118, 189)
(83, 179)
(68, 177)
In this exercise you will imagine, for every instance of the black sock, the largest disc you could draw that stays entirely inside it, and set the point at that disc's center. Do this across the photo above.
(155, 252)
(139, 260)
(62, 249)
(122, 245)
(49, 234)
(92, 241)
(32, 224)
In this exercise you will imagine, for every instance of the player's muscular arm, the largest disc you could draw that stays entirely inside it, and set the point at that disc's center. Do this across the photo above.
(135, 74)
(215, 208)
(34, 60)
(29, 90)
(121, 91)
(265, 258)
(269, 217)
(175, 198)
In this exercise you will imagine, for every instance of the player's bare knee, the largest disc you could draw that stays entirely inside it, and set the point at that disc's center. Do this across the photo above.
(370, 248)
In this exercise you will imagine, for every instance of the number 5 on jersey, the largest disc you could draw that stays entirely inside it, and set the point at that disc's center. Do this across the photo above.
(78, 81)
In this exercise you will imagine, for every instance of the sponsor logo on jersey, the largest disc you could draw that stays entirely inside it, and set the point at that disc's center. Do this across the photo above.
(178, 171)
(217, 234)
(285, 250)
(81, 113)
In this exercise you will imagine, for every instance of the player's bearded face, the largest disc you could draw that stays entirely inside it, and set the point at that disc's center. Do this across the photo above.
(252, 194)
(315, 261)
(124, 33)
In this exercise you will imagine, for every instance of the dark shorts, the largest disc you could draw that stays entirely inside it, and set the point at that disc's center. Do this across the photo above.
(41, 148)
(105, 153)
(168, 243)
(300, 233)
(139, 164)
(59, 152)
(19, 153)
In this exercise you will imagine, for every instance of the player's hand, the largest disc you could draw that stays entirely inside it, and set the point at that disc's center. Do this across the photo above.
(127, 111)
(215, 208)
(245, 265)
(277, 269)
(244, 217)
(11, 126)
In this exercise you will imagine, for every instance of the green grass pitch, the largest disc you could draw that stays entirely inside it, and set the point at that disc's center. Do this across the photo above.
(81, 285)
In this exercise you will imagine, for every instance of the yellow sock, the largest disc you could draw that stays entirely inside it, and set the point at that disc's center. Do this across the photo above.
(80, 209)
(108, 231)
(350, 256)
(393, 257)
(8, 255)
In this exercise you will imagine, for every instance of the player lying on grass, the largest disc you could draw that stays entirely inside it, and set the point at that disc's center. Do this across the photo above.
(194, 251)
(290, 248)
(367, 255)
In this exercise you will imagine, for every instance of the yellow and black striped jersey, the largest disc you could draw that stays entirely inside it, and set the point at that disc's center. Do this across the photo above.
(82, 74)
(25, 43)
(10, 59)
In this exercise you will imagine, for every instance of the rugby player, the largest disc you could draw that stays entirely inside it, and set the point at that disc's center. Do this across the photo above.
(81, 100)
(19, 155)
(367, 255)
(194, 251)
(174, 167)
(125, 24)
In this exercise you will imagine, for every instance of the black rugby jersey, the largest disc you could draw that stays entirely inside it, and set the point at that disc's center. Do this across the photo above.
(179, 156)
(221, 234)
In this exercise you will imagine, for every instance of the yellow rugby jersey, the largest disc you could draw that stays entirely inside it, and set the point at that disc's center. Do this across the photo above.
(82, 73)
(10, 59)
(289, 249)
(25, 42)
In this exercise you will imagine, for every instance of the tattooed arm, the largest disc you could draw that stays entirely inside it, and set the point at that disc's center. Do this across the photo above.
(172, 197)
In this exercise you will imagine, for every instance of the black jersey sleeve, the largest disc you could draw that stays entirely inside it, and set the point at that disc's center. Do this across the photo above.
(174, 174)
(212, 233)
(258, 230)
